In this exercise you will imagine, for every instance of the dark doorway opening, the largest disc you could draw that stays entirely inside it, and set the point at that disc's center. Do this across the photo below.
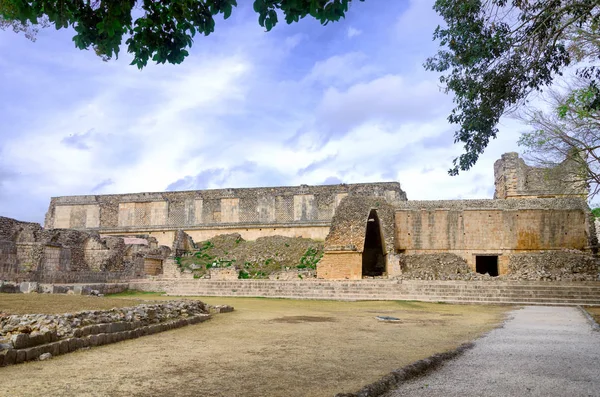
(487, 264)
(373, 257)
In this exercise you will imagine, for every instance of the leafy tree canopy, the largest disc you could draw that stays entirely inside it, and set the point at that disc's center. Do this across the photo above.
(494, 53)
(157, 30)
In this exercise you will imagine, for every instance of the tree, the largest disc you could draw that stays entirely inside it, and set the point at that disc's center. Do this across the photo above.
(569, 130)
(158, 30)
(494, 53)
(27, 28)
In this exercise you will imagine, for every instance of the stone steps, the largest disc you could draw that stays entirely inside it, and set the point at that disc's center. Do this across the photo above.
(587, 293)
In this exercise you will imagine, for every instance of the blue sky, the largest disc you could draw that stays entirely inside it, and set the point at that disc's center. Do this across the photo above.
(303, 104)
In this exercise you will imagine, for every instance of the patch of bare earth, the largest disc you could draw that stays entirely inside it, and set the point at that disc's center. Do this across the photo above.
(595, 312)
(58, 303)
(266, 347)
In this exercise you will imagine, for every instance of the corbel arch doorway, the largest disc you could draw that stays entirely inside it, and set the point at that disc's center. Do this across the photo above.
(373, 256)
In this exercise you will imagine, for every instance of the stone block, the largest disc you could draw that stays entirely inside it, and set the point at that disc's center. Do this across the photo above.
(10, 356)
(119, 327)
(93, 339)
(33, 353)
(54, 348)
(27, 287)
(64, 346)
(21, 356)
(20, 341)
(46, 288)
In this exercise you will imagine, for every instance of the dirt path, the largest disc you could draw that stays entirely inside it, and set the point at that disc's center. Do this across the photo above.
(267, 347)
(540, 351)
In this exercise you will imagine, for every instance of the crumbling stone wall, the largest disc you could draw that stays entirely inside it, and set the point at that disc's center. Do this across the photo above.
(493, 227)
(436, 266)
(17, 231)
(32, 336)
(30, 253)
(183, 243)
(515, 179)
(8, 257)
(304, 211)
(563, 265)
(345, 242)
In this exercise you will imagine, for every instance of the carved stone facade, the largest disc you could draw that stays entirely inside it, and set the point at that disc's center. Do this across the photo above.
(370, 230)
(299, 211)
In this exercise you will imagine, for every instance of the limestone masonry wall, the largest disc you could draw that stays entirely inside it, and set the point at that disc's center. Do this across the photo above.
(30, 253)
(515, 179)
(469, 228)
(205, 213)
(345, 242)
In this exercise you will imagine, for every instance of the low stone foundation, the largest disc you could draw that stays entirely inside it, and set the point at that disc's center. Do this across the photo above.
(77, 289)
(497, 291)
(28, 337)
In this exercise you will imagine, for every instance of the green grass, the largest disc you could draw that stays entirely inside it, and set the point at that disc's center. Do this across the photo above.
(135, 294)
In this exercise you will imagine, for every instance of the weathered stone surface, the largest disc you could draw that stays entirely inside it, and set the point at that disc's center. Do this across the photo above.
(554, 266)
(45, 356)
(32, 353)
(205, 213)
(10, 356)
(21, 356)
(34, 334)
(515, 179)
(20, 341)
(30, 254)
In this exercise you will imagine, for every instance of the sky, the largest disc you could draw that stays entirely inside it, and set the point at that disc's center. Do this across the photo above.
(349, 102)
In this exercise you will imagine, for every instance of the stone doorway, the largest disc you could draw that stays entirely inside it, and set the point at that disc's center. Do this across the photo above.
(487, 264)
(373, 257)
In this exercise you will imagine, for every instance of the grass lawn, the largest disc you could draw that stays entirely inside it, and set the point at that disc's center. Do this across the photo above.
(266, 347)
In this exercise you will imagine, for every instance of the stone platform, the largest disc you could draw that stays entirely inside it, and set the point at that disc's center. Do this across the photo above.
(492, 292)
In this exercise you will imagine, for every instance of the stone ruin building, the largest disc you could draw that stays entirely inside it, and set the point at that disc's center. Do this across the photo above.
(30, 253)
(370, 230)
(298, 211)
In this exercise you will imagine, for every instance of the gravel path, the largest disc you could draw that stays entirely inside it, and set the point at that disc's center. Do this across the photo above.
(540, 351)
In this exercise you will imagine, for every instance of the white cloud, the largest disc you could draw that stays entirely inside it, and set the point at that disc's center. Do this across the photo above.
(341, 69)
(297, 105)
(353, 32)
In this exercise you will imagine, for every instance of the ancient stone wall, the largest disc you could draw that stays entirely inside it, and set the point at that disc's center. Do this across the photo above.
(515, 179)
(345, 242)
(469, 228)
(340, 265)
(32, 336)
(30, 253)
(183, 243)
(297, 211)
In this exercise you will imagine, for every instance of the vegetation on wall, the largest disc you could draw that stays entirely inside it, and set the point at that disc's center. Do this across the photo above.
(252, 259)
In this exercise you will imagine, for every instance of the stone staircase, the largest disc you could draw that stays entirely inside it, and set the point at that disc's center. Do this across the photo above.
(528, 293)
(493, 292)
